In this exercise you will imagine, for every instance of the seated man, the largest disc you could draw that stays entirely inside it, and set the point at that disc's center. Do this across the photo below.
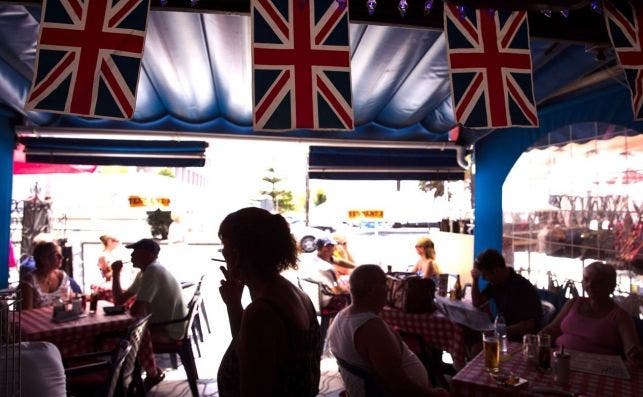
(363, 340)
(156, 291)
(516, 298)
(41, 370)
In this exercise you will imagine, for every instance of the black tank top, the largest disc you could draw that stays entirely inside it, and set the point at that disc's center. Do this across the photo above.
(298, 368)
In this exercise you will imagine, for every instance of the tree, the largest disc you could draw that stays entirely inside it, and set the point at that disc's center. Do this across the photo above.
(320, 197)
(282, 200)
(436, 186)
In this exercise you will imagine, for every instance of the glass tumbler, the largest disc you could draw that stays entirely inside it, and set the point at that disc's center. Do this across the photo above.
(544, 352)
(530, 348)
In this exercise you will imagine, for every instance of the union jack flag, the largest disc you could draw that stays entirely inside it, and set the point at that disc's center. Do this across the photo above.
(301, 65)
(89, 57)
(490, 68)
(623, 20)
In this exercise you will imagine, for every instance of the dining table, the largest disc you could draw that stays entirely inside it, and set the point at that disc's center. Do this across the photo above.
(475, 380)
(76, 336)
(435, 329)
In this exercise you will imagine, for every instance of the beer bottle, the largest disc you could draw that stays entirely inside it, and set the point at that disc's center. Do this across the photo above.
(457, 288)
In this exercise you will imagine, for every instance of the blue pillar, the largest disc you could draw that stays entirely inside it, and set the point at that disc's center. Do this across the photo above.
(7, 142)
(495, 154)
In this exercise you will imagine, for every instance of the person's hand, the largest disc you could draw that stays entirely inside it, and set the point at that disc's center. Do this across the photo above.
(475, 273)
(117, 266)
(231, 289)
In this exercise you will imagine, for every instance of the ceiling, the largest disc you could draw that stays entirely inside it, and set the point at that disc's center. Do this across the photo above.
(196, 77)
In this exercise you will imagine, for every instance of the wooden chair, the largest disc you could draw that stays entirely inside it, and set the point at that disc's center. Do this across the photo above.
(183, 346)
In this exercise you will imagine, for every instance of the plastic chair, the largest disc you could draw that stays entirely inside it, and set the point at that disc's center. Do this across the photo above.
(326, 303)
(548, 312)
(430, 357)
(183, 346)
(99, 378)
(130, 380)
(372, 387)
(201, 311)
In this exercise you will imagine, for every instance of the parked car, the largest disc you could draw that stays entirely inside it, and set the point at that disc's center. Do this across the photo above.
(306, 235)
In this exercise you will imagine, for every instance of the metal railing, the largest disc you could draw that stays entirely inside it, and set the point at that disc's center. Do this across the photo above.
(10, 342)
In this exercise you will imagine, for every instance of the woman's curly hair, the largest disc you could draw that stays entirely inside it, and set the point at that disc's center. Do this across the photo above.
(263, 239)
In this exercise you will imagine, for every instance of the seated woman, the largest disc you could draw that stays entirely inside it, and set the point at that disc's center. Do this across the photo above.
(108, 256)
(47, 282)
(426, 263)
(596, 324)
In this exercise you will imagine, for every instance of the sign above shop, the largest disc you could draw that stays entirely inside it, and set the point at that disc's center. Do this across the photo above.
(370, 214)
(139, 201)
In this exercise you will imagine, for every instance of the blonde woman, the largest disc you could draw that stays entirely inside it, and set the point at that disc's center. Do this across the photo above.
(110, 244)
(426, 264)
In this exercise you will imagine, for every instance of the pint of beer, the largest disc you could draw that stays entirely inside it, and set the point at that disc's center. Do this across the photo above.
(491, 349)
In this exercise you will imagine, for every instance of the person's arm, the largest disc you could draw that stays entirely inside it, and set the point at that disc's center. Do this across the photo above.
(120, 296)
(630, 339)
(553, 328)
(343, 263)
(260, 336)
(523, 327)
(26, 294)
(478, 298)
(105, 269)
(417, 267)
(378, 345)
(231, 291)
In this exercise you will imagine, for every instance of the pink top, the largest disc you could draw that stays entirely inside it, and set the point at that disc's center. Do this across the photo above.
(591, 335)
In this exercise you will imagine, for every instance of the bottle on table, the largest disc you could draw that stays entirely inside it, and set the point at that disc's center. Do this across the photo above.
(458, 288)
(501, 332)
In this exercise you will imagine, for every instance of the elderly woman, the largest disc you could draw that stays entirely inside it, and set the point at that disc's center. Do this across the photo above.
(596, 324)
(47, 282)
(275, 350)
(426, 263)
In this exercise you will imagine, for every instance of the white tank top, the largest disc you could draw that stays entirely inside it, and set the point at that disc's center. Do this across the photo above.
(341, 336)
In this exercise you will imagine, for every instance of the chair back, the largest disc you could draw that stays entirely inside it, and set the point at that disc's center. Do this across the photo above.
(312, 288)
(134, 336)
(548, 312)
(372, 387)
(123, 351)
(193, 310)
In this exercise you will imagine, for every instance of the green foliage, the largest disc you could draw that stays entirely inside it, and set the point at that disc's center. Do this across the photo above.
(436, 186)
(320, 197)
(167, 172)
(159, 222)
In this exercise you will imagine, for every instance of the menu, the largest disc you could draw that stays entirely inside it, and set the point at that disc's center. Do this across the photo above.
(465, 314)
(598, 364)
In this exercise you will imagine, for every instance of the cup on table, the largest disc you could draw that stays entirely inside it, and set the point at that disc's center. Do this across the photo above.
(561, 364)
(544, 352)
(491, 351)
(530, 348)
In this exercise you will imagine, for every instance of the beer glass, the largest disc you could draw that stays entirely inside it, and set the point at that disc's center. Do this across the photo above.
(491, 350)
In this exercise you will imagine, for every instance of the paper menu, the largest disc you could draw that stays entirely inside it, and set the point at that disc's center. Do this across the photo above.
(598, 364)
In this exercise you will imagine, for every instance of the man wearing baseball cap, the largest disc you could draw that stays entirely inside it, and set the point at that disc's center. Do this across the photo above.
(156, 291)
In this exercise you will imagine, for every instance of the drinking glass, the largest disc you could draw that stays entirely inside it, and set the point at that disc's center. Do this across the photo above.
(491, 349)
(530, 348)
(544, 352)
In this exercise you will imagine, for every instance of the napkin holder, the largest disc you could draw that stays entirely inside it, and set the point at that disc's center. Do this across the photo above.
(67, 312)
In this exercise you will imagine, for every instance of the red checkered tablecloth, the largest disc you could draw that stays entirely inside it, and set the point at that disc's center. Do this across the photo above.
(72, 337)
(436, 330)
(473, 380)
(80, 336)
